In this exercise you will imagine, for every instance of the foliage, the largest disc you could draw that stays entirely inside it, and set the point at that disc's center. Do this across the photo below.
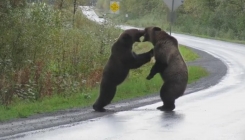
(215, 18)
(50, 56)
(42, 53)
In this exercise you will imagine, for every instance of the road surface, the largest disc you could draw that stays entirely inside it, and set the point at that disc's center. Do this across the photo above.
(212, 114)
(215, 113)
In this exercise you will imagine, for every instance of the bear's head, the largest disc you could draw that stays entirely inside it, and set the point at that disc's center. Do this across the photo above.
(150, 34)
(131, 35)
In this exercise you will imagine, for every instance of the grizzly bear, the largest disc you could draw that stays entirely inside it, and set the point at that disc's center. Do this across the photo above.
(121, 60)
(169, 64)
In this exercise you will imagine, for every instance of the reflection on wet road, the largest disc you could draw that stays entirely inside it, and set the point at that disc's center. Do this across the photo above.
(201, 116)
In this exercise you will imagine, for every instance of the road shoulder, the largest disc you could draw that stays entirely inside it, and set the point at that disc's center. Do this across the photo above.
(17, 128)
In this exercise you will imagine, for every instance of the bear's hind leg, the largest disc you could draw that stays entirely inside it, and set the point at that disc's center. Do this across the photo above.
(107, 93)
(98, 108)
(168, 106)
(167, 98)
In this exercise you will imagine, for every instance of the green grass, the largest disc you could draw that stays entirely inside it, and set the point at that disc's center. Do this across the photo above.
(195, 73)
(188, 54)
(134, 86)
(153, 20)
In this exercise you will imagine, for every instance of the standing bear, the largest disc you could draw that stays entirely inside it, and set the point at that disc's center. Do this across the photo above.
(121, 60)
(170, 64)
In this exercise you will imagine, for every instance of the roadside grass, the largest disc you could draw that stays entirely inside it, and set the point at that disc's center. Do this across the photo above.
(134, 86)
(188, 54)
(154, 20)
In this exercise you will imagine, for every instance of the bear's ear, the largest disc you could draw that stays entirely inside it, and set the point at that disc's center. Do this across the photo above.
(141, 32)
(156, 29)
(126, 38)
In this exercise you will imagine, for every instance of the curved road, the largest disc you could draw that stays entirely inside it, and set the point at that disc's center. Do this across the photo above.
(212, 114)
(215, 113)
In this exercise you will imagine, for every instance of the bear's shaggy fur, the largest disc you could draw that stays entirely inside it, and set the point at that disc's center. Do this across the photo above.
(121, 60)
(170, 64)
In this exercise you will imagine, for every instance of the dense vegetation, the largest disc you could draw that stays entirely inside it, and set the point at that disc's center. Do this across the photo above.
(213, 18)
(43, 53)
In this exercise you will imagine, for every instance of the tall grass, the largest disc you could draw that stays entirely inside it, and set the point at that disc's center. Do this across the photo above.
(42, 53)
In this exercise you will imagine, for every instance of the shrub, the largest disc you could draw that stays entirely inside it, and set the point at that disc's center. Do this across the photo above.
(43, 53)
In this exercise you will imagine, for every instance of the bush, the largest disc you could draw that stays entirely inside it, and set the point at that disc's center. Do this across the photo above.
(213, 18)
(43, 53)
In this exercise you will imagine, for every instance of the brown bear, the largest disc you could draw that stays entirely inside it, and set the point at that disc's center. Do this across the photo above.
(121, 60)
(169, 64)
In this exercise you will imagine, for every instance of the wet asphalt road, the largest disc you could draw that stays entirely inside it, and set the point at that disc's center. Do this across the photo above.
(215, 113)
(197, 118)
